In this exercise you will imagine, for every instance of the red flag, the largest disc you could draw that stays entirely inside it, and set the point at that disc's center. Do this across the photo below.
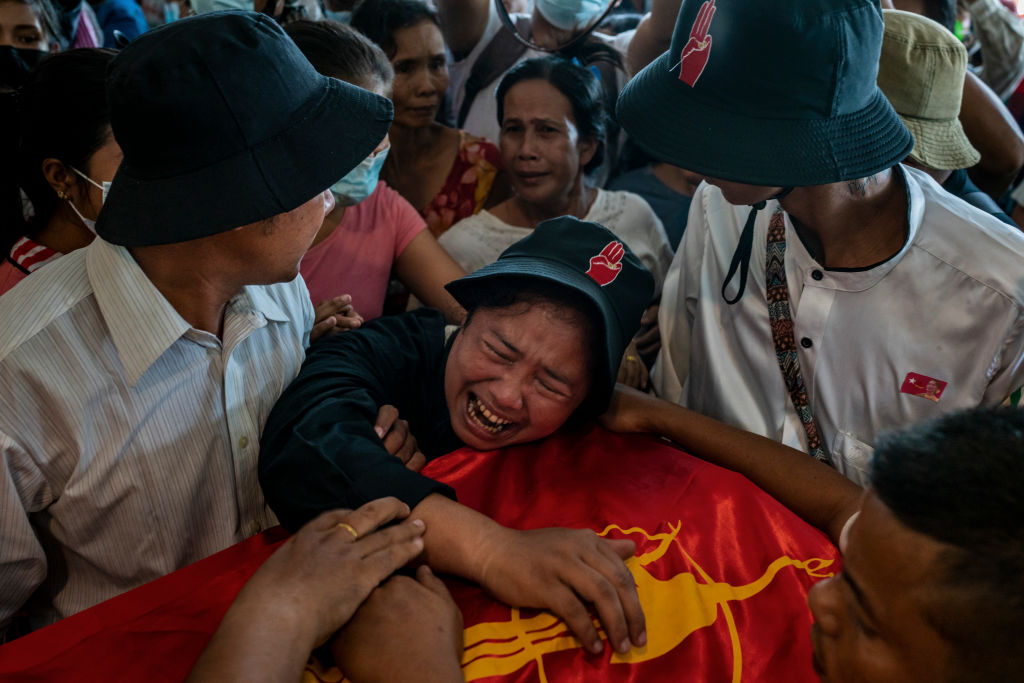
(923, 386)
(722, 570)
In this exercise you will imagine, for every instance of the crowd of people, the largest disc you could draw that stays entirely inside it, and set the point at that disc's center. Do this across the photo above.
(263, 264)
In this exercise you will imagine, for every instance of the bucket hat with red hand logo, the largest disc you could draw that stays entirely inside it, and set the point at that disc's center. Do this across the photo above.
(582, 256)
(769, 93)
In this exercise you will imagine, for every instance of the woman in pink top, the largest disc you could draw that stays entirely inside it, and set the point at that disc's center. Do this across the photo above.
(66, 157)
(372, 230)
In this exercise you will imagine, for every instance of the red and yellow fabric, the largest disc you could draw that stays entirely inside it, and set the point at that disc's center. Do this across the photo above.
(722, 570)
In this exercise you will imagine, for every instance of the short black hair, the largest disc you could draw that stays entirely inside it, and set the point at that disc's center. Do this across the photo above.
(341, 52)
(579, 85)
(960, 480)
(512, 290)
(61, 113)
(379, 19)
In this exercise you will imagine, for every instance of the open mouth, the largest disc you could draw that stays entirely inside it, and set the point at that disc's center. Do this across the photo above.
(483, 417)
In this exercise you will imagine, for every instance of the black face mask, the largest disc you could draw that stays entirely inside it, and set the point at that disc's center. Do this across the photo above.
(16, 63)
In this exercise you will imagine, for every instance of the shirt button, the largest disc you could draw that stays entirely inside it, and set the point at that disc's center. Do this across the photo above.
(806, 342)
(243, 442)
(817, 274)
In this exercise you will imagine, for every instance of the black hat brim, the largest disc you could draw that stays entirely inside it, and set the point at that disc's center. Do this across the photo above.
(683, 127)
(328, 137)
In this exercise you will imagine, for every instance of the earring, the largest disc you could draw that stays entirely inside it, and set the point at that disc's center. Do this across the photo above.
(62, 194)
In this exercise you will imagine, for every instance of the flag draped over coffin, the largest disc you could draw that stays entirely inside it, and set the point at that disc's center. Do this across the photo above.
(722, 570)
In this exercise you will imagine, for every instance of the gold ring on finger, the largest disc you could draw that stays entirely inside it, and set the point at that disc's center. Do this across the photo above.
(349, 528)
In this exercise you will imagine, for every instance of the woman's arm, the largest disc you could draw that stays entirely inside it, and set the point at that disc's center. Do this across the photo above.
(811, 489)
(653, 35)
(425, 268)
(562, 570)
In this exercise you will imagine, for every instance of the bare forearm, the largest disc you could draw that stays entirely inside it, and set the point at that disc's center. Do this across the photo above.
(993, 132)
(253, 644)
(653, 34)
(813, 490)
(456, 536)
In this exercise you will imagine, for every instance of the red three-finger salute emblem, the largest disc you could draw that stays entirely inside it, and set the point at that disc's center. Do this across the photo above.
(698, 48)
(607, 265)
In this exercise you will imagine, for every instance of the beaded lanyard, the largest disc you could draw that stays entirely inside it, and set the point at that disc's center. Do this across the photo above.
(782, 332)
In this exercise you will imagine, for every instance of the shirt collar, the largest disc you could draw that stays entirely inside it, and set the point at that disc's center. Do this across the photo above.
(142, 323)
(255, 299)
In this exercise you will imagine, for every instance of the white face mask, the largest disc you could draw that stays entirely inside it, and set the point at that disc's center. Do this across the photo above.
(571, 15)
(104, 187)
(361, 181)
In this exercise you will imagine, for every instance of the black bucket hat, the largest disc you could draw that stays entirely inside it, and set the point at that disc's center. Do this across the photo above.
(223, 122)
(587, 258)
(769, 93)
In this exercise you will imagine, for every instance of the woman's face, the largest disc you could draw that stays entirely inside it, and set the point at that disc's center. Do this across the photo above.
(421, 74)
(515, 374)
(540, 145)
(20, 27)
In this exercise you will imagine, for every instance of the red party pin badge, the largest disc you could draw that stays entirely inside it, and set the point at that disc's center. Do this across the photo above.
(921, 385)
(607, 265)
(698, 48)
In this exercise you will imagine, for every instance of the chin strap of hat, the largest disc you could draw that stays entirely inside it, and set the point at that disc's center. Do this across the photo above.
(741, 257)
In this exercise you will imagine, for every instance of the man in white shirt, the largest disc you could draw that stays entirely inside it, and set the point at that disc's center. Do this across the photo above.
(135, 374)
(824, 318)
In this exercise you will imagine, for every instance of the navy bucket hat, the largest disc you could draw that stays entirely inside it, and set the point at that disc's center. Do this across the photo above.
(223, 122)
(769, 93)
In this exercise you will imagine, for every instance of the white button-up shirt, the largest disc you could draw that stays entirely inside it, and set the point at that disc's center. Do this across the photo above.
(129, 439)
(948, 306)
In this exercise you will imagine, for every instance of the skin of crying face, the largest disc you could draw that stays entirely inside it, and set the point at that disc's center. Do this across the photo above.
(515, 374)
(540, 144)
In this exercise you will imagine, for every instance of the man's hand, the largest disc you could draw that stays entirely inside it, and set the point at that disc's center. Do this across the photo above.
(306, 591)
(326, 570)
(632, 371)
(398, 440)
(648, 340)
(562, 570)
(333, 316)
(407, 630)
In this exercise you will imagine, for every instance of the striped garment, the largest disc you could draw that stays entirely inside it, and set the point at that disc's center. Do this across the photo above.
(27, 256)
(128, 439)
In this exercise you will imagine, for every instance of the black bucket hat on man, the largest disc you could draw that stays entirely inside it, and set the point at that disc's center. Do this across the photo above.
(223, 122)
(769, 93)
(587, 258)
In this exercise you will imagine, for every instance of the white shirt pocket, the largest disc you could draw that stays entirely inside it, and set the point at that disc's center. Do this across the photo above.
(852, 457)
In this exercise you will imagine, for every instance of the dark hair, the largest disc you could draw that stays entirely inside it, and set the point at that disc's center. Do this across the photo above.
(580, 86)
(512, 290)
(341, 52)
(379, 19)
(62, 114)
(960, 480)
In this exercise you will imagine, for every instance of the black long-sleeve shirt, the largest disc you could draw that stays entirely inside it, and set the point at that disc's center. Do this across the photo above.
(319, 450)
